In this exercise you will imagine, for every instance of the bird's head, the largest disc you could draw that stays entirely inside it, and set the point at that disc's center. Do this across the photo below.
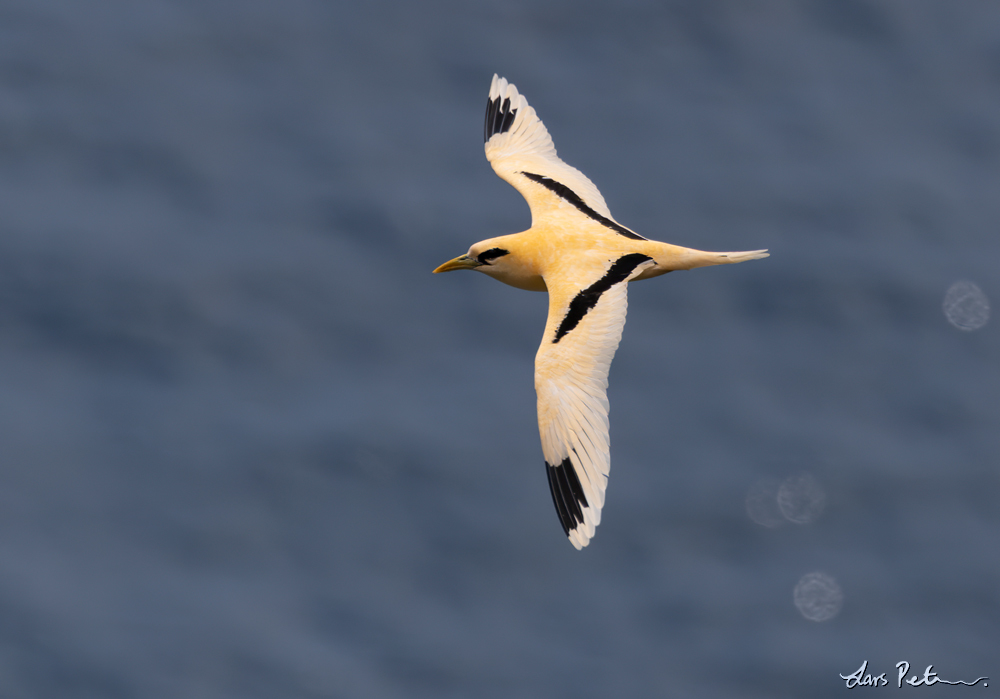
(502, 258)
(481, 257)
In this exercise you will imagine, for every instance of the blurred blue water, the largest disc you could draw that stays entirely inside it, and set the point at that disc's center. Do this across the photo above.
(251, 447)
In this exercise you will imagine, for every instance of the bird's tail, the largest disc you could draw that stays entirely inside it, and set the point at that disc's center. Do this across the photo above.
(728, 258)
(670, 257)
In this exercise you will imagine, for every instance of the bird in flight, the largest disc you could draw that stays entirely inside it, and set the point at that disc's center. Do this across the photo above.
(585, 259)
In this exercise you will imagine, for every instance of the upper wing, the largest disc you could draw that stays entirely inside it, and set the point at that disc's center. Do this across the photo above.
(571, 378)
(518, 146)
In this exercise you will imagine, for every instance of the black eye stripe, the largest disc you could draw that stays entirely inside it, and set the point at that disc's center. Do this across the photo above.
(491, 254)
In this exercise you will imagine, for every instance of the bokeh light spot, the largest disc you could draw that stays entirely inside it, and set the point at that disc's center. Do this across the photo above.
(966, 306)
(801, 498)
(818, 597)
(762, 503)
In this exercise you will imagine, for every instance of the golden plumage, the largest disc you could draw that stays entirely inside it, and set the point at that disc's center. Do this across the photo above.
(577, 252)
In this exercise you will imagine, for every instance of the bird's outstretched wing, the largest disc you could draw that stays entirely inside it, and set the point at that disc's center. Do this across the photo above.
(520, 150)
(571, 379)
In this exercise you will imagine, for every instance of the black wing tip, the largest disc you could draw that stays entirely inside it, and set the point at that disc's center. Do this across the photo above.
(567, 494)
(499, 115)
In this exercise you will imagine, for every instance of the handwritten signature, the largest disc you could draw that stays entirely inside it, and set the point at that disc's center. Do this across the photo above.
(862, 678)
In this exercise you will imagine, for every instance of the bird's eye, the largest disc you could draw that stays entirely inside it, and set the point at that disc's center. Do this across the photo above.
(491, 254)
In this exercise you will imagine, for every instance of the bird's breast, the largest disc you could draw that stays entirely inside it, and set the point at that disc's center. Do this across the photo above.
(521, 278)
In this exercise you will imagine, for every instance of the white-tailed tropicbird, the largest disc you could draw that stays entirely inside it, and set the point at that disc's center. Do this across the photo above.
(577, 252)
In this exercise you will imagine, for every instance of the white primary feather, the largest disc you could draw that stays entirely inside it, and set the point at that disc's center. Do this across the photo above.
(527, 147)
(571, 380)
(585, 259)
